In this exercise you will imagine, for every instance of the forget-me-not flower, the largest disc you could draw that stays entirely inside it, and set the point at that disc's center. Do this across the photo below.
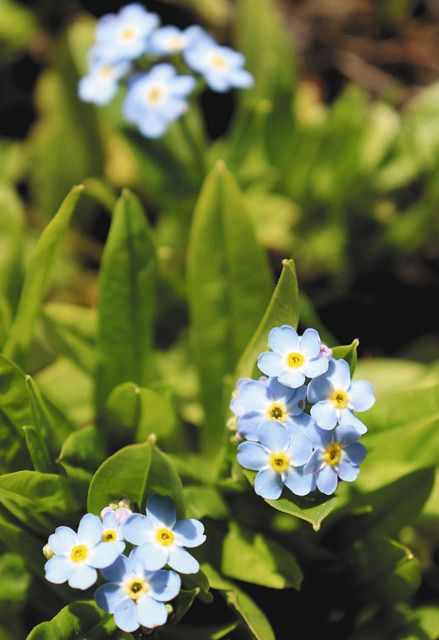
(334, 396)
(136, 596)
(264, 402)
(293, 358)
(157, 98)
(101, 84)
(221, 67)
(161, 538)
(169, 40)
(279, 460)
(124, 36)
(120, 511)
(78, 555)
(337, 454)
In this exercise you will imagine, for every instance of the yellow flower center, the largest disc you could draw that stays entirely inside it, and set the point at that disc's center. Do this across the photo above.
(136, 588)
(165, 537)
(295, 360)
(218, 62)
(279, 462)
(109, 536)
(106, 71)
(277, 411)
(176, 42)
(332, 454)
(340, 398)
(154, 95)
(128, 33)
(79, 553)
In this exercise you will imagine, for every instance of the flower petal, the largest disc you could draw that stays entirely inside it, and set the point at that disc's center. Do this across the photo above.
(319, 388)
(347, 472)
(299, 483)
(189, 533)
(315, 463)
(274, 438)
(90, 529)
(361, 396)
(252, 397)
(346, 434)
(347, 418)
(315, 367)
(62, 540)
(252, 456)
(310, 343)
(249, 424)
(105, 553)
(137, 529)
(109, 596)
(82, 577)
(271, 363)
(325, 414)
(162, 510)
(125, 616)
(283, 340)
(152, 556)
(164, 585)
(355, 453)
(182, 561)
(268, 484)
(327, 480)
(293, 378)
(58, 569)
(339, 374)
(300, 449)
(151, 613)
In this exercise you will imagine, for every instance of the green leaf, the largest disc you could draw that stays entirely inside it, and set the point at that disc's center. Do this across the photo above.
(14, 591)
(428, 619)
(349, 353)
(135, 472)
(72, 331)
(23, 542)
(202, 502)
(82, 620)
(254, 621)
(11, 244)
(182, 604)
(282, 309)
(252, 557)
(126, 301)
(38, 451)
(229, 284)
(37, 279)
(81, 454)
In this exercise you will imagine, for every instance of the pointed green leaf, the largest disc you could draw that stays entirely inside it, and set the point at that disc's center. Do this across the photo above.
(349, 353)
(229, 284)
(38, 451)
(37, 279)
(126, 301)
(82, 620)
(135, 472)
(11, 244)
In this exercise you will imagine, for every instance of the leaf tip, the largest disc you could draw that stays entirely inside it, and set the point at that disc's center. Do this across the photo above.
(220, 166)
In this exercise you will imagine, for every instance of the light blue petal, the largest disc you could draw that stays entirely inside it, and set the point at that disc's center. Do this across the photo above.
(109, 596)
(361, 396)
(189, 533)
(62, 540)
(137, 529)
(118, 571)
(249, 424)
(346, 434)
(151, 613)
(252, 456)
(90, 529)
(315, 367)
(327, 480)
(283, 340)
(299, 483)
(319, 388)
(152, 556)
(271, 363)
(300, 449)
(93, 89)
(241, 79)
(105, 553)
(268, 484)
(291, 377)
(302, 421)
(164, 585)
(274, 438)
(252, 397)
(58, 569)
(310, 344)
(183, 85)
(125, 616)
(297, 400)
(339, 374)
(182, 561)
(216, 81)
(320, 438)
(355, 453)
(347, 472)
(315, 463)
(109, 520)
(162, 510)
(82, 577)
(347, 418)
(153, 126)
(325, 414)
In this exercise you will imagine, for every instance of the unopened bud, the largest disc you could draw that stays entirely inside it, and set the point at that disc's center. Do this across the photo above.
(125, 503)
(232, 424)
(325, 351)
(47, 552)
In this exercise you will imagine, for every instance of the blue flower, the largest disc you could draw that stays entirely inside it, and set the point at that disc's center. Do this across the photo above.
(100, 85)
(221, 67)
(124, 36)
(78, 555)
(337, 454)
(279, 459)
(334, 397)
(293, 357)
(169, 40)
(157, 98)
(162, 539)
(135, 596)
(264, 402)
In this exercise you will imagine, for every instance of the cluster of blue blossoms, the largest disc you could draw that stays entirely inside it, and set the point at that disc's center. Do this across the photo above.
(132, 40)
(286, 445)
(137, 585)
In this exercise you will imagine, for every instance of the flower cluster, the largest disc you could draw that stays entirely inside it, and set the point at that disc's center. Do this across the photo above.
(128, 46)
(137, 585)
(286, 445)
